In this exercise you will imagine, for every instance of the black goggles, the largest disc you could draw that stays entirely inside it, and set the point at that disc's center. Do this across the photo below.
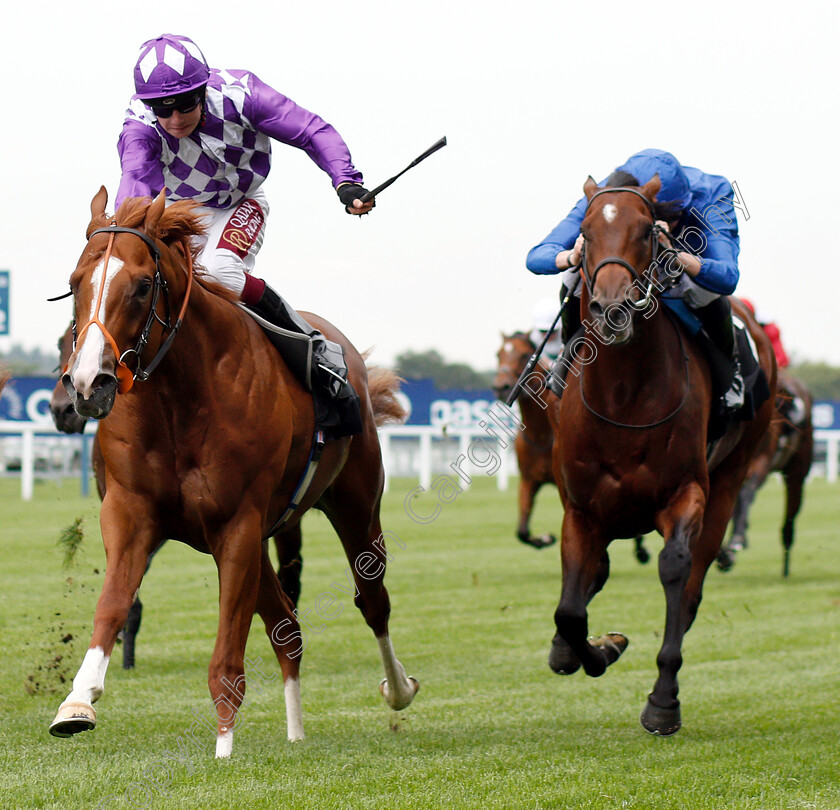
(164, 107)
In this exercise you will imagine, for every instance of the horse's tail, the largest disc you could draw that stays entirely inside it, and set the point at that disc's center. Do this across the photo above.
(5, 374)
(383, 385)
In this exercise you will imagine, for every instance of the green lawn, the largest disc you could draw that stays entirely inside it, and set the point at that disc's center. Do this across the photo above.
(492, 726)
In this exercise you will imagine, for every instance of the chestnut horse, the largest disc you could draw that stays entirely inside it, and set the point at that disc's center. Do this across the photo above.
(788, 448)
(630, 449)
(534, 440)
(287, 544)
(210, 446)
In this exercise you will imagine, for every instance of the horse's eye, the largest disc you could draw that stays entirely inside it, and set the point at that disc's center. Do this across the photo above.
(143, 287)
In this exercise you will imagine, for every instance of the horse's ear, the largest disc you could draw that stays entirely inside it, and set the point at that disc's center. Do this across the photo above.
(651, 188)
(98, 203)
(154, 213)
(590, 187)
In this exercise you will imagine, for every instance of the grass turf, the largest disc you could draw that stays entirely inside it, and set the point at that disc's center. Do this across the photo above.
(492, 726)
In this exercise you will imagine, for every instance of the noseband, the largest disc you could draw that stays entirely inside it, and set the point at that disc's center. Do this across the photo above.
(125, 376)
(655, 252)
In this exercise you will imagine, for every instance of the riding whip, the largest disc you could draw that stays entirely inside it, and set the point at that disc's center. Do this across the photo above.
(368, 196)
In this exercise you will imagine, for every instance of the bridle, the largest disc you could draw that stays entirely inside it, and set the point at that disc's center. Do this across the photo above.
(656, 252)
(125, 377)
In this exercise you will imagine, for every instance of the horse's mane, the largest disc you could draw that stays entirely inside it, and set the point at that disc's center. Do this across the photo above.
(178, 223)
(663, 210)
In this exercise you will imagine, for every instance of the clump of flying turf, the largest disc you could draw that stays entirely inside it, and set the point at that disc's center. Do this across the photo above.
(70, 541)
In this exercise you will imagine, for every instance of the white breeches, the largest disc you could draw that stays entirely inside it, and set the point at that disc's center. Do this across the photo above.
(233, 239)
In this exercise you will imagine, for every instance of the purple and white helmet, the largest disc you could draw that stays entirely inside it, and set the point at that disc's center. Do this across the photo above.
(169, 65)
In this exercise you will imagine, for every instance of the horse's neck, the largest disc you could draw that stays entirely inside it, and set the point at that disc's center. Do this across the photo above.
(648, 360)
(212, 329)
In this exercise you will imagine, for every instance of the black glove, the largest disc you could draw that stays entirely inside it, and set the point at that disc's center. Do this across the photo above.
(347, 192)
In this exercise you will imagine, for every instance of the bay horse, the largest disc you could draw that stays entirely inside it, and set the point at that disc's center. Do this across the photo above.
(630, 443)
(787, 448)
(534, 440)
(210, 446)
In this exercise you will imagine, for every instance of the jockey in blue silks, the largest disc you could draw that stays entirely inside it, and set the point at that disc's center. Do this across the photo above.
(688, 199)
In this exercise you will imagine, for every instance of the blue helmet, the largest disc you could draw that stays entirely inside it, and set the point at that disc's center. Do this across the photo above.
(675, 187)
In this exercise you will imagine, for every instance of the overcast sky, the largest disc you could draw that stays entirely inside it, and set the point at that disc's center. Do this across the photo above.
(533, 97)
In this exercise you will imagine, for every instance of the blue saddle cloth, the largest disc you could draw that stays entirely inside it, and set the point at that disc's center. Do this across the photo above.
(686, 317)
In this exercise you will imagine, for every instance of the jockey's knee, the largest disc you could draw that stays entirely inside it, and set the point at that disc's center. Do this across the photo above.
(225, 268)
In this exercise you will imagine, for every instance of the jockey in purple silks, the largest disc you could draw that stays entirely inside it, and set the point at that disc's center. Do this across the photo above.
(205, 135)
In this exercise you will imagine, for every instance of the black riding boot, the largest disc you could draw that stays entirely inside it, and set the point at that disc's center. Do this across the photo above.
(317, 362)
(569, 331)
(717, 323)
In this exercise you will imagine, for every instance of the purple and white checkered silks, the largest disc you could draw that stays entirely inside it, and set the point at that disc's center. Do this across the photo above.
(169, 65)
(228, 161)
(228, 156)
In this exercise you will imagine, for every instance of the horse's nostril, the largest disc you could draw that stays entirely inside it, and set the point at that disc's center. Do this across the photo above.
(596, 309)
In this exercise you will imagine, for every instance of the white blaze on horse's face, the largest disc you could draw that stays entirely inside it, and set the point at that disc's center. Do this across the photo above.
(609, 211)
(88, 363)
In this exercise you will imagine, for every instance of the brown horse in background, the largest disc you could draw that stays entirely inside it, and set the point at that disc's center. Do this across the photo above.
(630, 443)
(210, 449)
(787, 448)
(534, 440)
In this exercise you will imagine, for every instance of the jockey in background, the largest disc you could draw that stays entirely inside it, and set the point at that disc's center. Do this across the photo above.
(205, 135)
(543, 316)
(790, 404)
(710, 272)
(772, 331)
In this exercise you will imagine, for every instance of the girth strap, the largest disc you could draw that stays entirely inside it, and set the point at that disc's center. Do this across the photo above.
(303, 485)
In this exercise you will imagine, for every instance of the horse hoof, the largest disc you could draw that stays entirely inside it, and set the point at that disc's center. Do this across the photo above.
(561, 659)
(725, 560)
(738, 542)
(73, 718)
(400, 700)
(663, 722)
(543, 541)
(612, 645)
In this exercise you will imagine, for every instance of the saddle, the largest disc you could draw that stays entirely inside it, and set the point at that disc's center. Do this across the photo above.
(319, 364)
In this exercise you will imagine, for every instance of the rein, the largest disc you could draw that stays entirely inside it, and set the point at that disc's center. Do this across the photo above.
(125, 376)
